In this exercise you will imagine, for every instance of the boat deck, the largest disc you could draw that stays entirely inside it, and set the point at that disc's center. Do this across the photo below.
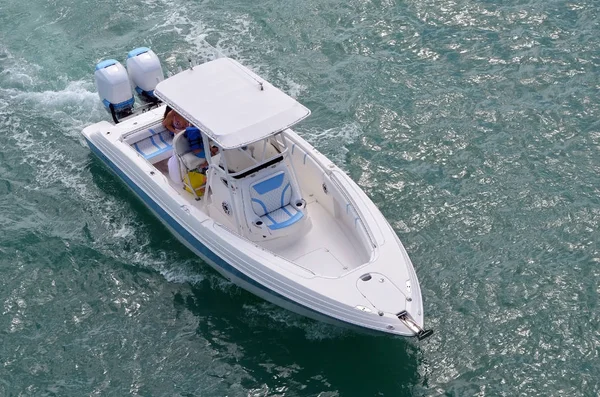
(326, 250)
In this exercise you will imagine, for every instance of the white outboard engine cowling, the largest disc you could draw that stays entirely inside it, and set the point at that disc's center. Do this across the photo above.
(114, 88)
(145, 72)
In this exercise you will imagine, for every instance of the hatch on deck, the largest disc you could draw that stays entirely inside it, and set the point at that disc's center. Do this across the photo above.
(382, 293)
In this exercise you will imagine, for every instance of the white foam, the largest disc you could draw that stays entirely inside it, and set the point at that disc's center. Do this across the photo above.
(157, 3)
(228, 44)
(124, 231)
(16, 72)
(220, 283)
(72, 107)
(198, 49)
(242, 26)
(333, 141)
(20, 84)
(181, 275)
(54, 166)
(293, 89)
(76, 93)
(178, 272)
(17, 77)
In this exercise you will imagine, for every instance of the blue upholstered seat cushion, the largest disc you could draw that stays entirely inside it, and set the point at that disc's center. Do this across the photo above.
(282, 217)
(271, 201)
(156, 144)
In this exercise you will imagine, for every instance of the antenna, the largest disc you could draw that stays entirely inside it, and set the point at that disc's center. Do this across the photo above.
(217, 53)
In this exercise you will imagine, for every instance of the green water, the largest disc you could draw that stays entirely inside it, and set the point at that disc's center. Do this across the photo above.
(473, 125)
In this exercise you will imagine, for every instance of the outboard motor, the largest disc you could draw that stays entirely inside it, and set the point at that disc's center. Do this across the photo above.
(114, 89)
(145, 72)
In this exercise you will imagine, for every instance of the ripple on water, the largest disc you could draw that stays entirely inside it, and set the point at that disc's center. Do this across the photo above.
(473, 126)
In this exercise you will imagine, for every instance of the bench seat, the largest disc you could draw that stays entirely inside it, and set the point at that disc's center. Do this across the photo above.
(156, 147)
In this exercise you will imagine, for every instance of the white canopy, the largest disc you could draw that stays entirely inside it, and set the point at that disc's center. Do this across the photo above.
(230, 103)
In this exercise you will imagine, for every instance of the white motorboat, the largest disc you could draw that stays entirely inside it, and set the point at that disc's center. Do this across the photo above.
(270, 212)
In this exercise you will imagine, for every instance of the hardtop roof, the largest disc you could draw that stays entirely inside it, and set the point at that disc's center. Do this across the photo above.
(230, 103)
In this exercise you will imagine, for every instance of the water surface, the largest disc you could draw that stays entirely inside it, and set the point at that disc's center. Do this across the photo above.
(473, 125)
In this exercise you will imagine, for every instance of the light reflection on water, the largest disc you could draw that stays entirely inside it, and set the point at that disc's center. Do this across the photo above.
(473, 126)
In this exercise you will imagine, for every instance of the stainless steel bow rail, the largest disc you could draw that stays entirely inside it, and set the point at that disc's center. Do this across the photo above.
(407, 320)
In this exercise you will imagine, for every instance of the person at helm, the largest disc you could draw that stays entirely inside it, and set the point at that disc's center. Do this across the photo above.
(173, 121)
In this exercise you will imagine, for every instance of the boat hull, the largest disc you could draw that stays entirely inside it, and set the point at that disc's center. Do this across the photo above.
(276, 217)
(224, 268)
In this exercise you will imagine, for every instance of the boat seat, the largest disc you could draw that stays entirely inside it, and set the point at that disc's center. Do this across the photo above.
(156, 147)
(188, 165)
(271, 198)
(184, 152)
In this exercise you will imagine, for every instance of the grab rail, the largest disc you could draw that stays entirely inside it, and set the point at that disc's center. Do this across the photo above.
(350, 200)
(336, 180)
(257, 168)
